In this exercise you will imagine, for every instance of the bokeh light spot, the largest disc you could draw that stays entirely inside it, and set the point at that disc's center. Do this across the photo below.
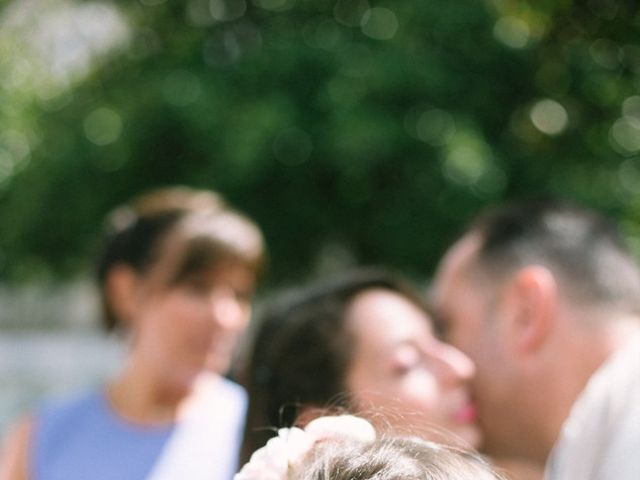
(20, 72)
(512, 31)
(198, 13)
(631, 107)
(226, 10)
(350, 12)
(469, 162)
(6, 165)
(63, 40)
(53, 100)
(16, 144)
(379, 23)
(549, 117)
(102, 126)
(624, 135)
(465, 163)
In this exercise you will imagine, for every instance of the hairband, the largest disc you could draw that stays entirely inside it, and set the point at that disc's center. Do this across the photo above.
(281, 454)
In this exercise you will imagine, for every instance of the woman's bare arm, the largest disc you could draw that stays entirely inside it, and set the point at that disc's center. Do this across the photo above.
(14, 453)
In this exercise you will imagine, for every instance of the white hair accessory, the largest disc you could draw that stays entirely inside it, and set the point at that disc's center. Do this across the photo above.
(282, 453)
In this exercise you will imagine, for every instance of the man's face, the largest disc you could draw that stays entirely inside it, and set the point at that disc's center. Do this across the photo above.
(468, 307)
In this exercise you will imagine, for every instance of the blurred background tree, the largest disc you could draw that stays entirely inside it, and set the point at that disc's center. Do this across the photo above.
(354, 131)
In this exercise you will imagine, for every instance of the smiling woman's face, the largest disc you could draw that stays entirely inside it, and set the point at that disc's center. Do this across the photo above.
(186, 329)
(403, 376)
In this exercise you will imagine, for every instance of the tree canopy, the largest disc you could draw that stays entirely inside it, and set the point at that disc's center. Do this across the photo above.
(357, 131)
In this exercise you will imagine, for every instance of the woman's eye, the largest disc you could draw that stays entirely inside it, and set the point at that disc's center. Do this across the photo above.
(401, 370)
(404, 369)
(406, 360)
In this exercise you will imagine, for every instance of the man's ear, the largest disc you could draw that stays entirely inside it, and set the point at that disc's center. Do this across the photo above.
(120, 288)
(533, 301)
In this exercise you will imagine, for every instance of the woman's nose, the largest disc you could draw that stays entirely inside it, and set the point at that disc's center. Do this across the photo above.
(455, 366)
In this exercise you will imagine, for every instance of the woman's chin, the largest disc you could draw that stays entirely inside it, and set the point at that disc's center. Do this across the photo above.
(470, 436)
(217, 363)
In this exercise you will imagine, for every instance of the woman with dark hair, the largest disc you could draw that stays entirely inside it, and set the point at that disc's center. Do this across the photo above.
(176, 277)
(361, 343)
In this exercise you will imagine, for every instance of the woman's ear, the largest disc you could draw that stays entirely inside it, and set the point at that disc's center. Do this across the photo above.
(121, 291)
(533, 296)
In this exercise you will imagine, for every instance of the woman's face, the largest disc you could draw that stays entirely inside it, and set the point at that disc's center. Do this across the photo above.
(192, 327)
(402, 376)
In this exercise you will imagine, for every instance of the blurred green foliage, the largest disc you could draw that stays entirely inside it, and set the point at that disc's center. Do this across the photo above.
(351, 130)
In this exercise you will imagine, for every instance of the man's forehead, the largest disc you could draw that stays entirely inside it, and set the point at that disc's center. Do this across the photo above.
(456, 261)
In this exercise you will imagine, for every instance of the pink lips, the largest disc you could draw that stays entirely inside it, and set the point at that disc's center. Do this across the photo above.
(467, 414)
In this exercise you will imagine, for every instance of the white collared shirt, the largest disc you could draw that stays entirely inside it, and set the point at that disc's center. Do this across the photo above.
(600, 440)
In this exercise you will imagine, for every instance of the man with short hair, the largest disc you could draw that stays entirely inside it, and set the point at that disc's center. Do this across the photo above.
(545, 299)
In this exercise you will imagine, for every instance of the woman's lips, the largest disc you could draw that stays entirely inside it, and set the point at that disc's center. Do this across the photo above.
(466, 414)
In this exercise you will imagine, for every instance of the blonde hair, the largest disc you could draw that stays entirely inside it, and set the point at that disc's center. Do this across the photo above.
(391, 458)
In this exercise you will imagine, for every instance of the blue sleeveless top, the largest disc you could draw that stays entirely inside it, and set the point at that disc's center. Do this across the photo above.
(85, 439)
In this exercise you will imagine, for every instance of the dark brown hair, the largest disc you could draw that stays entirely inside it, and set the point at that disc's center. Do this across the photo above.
(584, 250)
(198, 224)
(301, 352)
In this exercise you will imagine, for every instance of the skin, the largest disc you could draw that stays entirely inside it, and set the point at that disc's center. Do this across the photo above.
(399, 365)
(534, 349)
(13, 458)
(182, 338)
(180, 333)
(465, 308)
